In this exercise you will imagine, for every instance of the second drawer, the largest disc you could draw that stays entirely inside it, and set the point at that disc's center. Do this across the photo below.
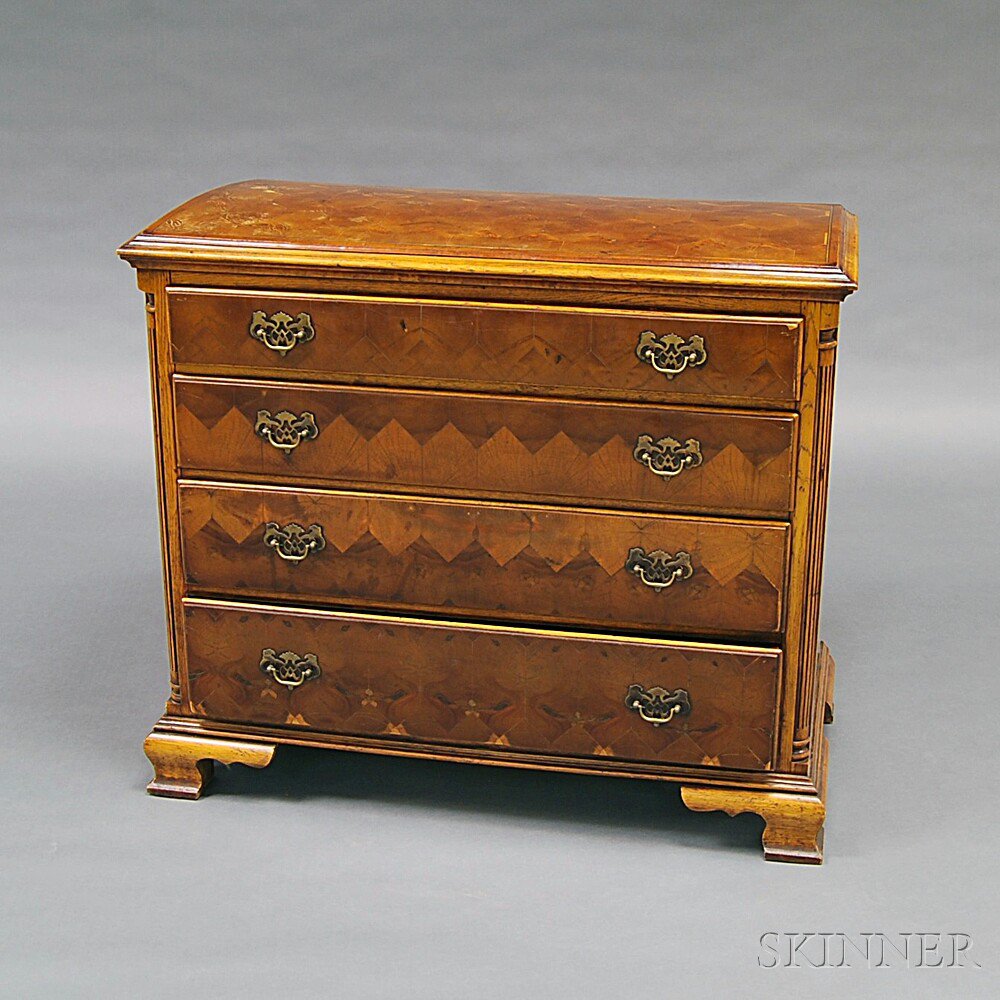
(595, 454)
(646, 572)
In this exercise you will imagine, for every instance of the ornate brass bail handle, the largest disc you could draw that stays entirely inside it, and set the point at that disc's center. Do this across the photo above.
(657, 705)
(293, 542)
(285, 430)
(670, 354)
(666, 456)
(659, 569)
(281, 332)
(288, 668)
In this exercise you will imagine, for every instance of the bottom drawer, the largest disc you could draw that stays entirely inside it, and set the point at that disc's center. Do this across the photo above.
(543, 691)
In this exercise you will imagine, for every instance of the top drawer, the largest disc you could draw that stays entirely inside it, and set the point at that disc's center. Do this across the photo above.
(537, 349)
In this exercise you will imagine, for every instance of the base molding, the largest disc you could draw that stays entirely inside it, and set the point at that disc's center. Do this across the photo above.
(793, 828)
(183, 753)
(183, 765)
(793, 821)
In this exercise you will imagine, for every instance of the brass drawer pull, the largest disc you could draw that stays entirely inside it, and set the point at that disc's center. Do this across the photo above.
(667, 456)
(670, 354)
(293, 542)
(289, 668)
(281, 332)
(285, 430)
(657, 705)
(659, 569)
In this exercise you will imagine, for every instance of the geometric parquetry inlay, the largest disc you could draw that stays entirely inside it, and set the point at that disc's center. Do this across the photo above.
(558, 537)
(526, 346)
(481, 445)
(548, 563)
(531, 691)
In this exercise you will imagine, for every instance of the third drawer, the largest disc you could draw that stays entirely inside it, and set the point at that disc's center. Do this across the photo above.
(492, 560)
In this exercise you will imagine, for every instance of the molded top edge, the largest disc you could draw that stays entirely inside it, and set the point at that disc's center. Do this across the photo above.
(757, 244)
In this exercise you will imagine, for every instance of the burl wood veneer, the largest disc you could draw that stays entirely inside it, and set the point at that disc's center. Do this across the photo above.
(510, 479)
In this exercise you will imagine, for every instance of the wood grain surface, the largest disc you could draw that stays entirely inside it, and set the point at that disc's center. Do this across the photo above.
(494, 560)
(476, 685)
(281, 222)
(750, 360)
(478, 445)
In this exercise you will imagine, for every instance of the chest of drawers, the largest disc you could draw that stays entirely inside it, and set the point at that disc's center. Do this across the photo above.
(507, 479)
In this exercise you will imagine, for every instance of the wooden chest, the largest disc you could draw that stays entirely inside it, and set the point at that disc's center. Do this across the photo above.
(506, 479)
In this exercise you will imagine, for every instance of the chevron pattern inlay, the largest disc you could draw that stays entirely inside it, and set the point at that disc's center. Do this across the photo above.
(748, 358)
(492, 445)
(515, 562)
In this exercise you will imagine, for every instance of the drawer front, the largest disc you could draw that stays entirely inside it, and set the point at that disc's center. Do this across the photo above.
(754, 361)
(602, 454)
(541, 691)
(677, 574)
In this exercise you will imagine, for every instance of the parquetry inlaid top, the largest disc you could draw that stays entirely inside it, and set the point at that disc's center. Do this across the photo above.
(688, 242)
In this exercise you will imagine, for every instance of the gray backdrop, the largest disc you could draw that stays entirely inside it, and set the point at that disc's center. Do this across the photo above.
(332, 875)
